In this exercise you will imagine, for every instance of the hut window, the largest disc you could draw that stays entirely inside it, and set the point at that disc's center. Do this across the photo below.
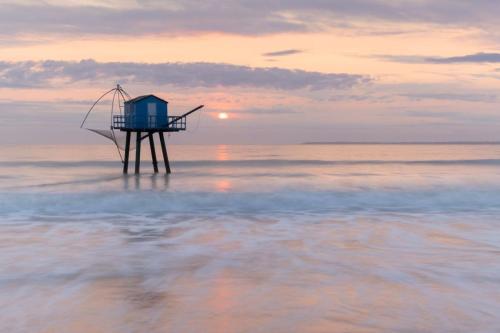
(152, 109)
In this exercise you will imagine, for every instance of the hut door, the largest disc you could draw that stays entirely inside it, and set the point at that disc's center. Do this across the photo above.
(152, 114)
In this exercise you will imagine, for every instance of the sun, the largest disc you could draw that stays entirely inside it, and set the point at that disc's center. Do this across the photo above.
(223, 115)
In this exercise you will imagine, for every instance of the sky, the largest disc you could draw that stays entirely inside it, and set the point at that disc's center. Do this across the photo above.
(283, 71)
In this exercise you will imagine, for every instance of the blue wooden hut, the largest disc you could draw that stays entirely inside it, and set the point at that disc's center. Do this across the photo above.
(144, 115)
(146, 112)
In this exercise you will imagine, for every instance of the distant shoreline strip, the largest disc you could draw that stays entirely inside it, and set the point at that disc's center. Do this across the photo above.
(403, 143)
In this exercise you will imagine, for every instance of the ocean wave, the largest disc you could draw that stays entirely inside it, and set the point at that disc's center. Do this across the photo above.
(288, 202)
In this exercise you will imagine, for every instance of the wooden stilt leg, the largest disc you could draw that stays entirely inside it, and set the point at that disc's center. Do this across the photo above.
(127, 153)
(138, 153)
(153, 152)
(164, 151)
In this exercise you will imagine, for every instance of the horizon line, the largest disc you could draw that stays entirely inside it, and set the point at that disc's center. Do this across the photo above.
(401, 143)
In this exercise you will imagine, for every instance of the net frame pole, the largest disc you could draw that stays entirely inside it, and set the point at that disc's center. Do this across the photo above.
(164, 151)
(115, 95)
(127, 153)
(138, 153)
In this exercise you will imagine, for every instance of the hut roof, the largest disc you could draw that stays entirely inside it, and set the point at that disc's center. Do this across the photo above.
(139, 98)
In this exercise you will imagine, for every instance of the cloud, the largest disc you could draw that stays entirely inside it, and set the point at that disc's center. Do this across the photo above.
(462, 97)
(148, 18)
(278, 109)
(198, 74)
(43, 112)
(405, 59)
(451, 117)
(470, 58)
(282, 53)
(243, 17)
(480, 57)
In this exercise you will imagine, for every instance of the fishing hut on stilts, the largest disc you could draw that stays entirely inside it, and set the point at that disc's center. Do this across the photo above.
(142, 117)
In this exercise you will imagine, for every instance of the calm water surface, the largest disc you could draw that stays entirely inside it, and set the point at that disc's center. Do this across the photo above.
(309, 238)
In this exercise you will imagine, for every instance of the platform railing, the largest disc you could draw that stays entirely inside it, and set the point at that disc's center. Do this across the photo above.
(150, 122)
(177, 122)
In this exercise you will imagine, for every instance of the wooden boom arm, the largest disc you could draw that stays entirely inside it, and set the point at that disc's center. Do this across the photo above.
(185, 115)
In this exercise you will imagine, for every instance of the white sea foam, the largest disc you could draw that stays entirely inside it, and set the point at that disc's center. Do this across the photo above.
(290, 201)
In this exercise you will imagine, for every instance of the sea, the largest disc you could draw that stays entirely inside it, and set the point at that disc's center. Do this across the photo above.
(242, 238)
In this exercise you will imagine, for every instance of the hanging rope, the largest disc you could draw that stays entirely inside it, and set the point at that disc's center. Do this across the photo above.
(197, 124)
